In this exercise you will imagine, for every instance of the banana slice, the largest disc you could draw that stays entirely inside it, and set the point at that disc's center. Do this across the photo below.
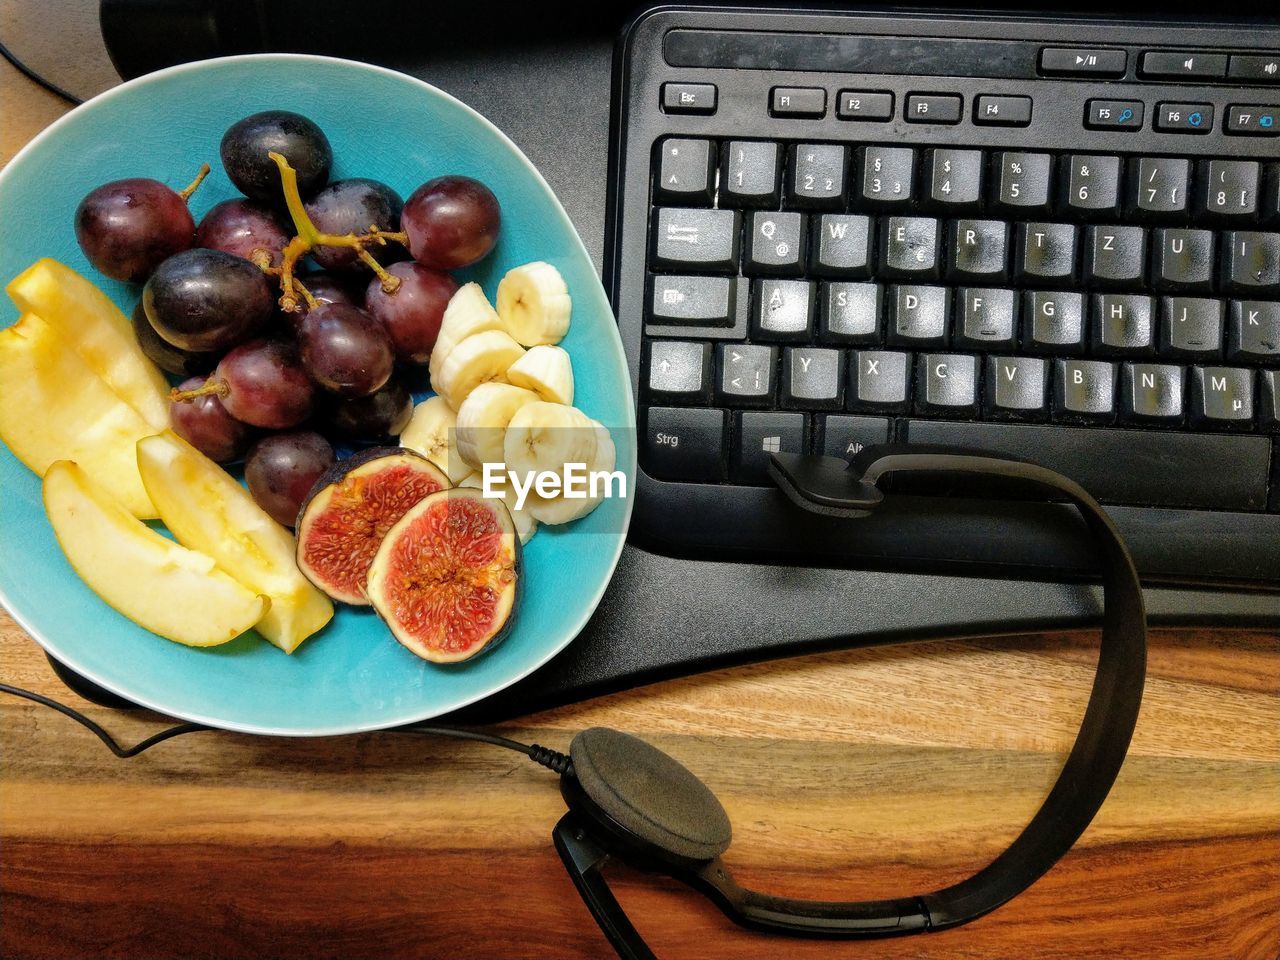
(468, 312)
(545, 436)
(483, 419)
(562, 509)
(546, 371)
(432, 433)
(534, 304)
(478, 359)
(526, 526)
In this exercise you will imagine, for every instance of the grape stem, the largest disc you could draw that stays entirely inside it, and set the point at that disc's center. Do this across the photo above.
(310, 237)
(214, 385)
(191, 187)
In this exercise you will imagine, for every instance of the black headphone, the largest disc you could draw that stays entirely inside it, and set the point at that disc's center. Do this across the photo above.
(630, 801)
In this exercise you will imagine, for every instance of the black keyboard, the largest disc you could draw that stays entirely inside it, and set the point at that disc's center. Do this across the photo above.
(1054, 239)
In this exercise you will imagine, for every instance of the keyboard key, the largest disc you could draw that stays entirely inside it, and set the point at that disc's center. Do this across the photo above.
(1253, 331)
(1115, 256)
(954, 178)
(947, 384)
(696, 301)
(1255, 69)
(879, 381)
(689, 98)
(812, 378)
(1182, 260)
(1016, 388)
(846, 437)
(783, 309)
(1184, 117)
(1159, 186)
(745, 374)
(775, 244)
(1151, 393)
(1221, 398)
(986, 319)
(696, 239)
(989, 110)
(1091, 185)
(1253, 120)
(758, 434)
(1179, 64)
(798, 102)
(1022, 187)
(686, 172)
(1055, 321)
(933, 108)
(1229, 188)
(886, 177)
(1269, 401)
(683, 444)
(1083, 61)
(864, 105)
(750, 174)
(1162, 467)
(1251, 262)
(1122, 324)
(850, 313)
(1190, 327)
(1084, 390)
(918, 315)
(1271, 195)
(1046, 252)
(1114, 114)
(909, 248)
(979, 251)
(841, 246)
(679, 371)
(817, 176)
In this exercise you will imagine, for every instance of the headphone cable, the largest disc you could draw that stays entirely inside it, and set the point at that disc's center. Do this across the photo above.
(49, 85)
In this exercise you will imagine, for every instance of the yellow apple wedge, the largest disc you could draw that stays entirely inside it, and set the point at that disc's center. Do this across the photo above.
(166, 588)
(53, 407)
(89, 323)
(207, 510)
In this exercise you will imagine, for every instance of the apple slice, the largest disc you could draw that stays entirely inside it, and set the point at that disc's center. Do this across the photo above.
(53, 407)
(207, 510)
(166, 588)
(89, 323)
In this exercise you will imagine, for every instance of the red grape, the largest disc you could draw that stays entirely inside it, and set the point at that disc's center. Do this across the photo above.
(207, 300)
(127, 228)
(353, 206)
(451, 222)
(411, 316)
(345, 350)
(247, 142)
(240, 227)
(205, 424)
(166, 356)
(264, 384)
(281, 469)
(380, 415)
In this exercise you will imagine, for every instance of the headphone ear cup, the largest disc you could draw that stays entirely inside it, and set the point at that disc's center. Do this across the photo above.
(649, 795)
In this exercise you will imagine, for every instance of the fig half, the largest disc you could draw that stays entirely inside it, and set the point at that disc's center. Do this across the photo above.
(351, 508)
(447, 577)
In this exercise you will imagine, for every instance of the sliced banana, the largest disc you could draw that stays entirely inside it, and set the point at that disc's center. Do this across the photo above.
(468, 312)
(483, 419)
(546, 371)
(526, 526)
(477, 359)
(545, 436)
(534, 304)
(562, 509)
(432, 433)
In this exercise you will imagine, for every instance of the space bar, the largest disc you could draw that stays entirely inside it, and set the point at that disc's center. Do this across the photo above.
(1139, 467)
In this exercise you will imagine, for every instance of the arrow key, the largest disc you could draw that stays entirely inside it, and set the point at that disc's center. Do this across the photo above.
(746, 374)
(679, 371)
(686, 172)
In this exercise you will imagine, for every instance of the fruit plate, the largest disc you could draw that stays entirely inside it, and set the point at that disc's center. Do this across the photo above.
(353, 676)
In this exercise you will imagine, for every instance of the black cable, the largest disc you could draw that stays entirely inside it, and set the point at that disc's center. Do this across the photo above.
(49, 85)
(544, 756)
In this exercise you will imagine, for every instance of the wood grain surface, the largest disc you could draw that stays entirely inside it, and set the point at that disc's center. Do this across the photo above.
(867, 773)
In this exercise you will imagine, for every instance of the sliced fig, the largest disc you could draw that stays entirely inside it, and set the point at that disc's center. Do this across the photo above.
(351, 508)
(447, 577)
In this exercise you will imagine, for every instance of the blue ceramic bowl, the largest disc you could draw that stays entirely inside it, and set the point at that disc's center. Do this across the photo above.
(353, 676)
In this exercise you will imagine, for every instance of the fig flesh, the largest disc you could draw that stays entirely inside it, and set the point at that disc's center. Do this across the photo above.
(447, 577)
(350, 509)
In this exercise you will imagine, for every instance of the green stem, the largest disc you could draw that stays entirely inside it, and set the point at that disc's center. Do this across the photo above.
(293, 200)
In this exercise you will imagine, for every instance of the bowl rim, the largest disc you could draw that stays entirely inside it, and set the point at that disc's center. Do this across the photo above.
(588, 609)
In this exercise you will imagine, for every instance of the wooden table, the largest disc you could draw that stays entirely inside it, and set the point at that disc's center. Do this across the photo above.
(848, 775)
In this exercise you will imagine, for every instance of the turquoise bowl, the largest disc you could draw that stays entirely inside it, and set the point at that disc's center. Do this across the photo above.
(353, 676)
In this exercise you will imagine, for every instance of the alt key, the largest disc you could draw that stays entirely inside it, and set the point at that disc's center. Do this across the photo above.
(1184, 117)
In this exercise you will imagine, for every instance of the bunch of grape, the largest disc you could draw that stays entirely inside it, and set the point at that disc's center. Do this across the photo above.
(280, 361)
